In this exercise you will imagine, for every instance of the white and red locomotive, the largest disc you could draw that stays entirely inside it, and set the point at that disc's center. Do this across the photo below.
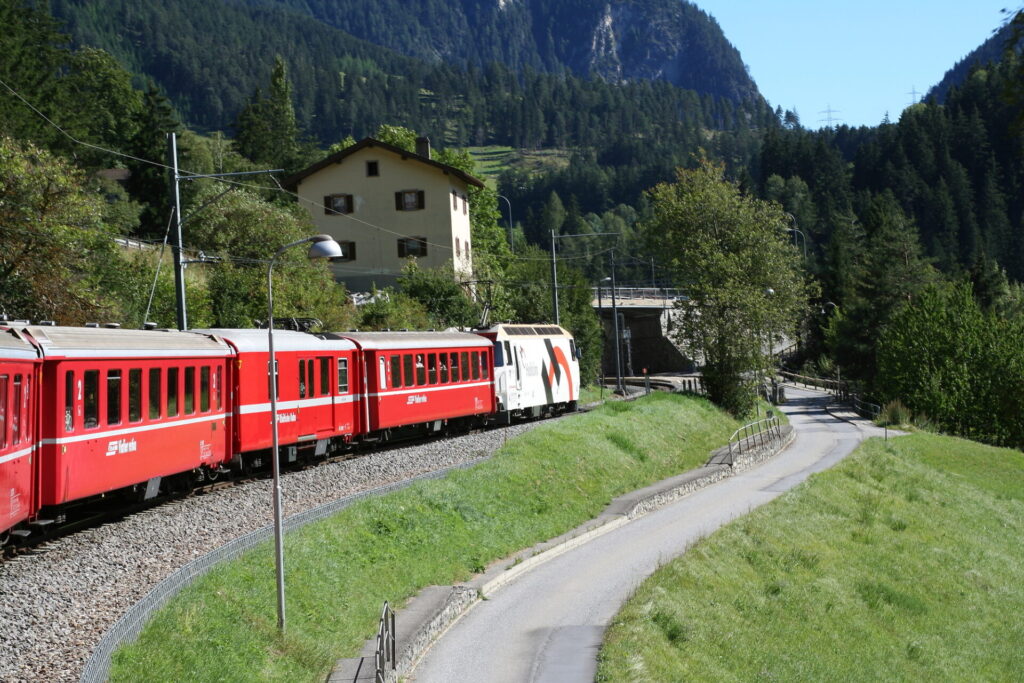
(89, 412)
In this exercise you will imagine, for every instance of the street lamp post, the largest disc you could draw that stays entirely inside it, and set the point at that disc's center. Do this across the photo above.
(321, 246)
(615, 317)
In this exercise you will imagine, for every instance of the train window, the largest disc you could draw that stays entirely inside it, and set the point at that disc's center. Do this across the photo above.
(277, 379)
(465, 365)
(69, 401)
(113, 397)
(508, 353)
(396, 372)
(4, 381)
(218, 382)
(343, 375)
(455, 367)
(16, 412)
(476, 364)
(190, 390)
(483, 365)
(432, 368)
(421, 370)
(172, 391)
(572, 348)
(444, 368)
(26, 407)
(135, 395)
(91, 415)
(302, 379)
(154, 393)
(407, 364)
(204, 389)
(498, 362)
(311, 377)
(325, 375)
(515, 355)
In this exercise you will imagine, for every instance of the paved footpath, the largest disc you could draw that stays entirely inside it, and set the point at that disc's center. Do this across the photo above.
(547, 625)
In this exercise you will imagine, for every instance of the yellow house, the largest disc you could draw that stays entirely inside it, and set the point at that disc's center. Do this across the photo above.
(383, 205)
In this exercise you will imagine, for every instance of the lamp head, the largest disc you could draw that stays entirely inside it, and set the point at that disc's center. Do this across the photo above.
(323, 246)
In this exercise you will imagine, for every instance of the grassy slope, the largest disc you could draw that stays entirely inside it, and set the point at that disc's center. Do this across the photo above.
(493, 159)
(904, 562)
(339, 571)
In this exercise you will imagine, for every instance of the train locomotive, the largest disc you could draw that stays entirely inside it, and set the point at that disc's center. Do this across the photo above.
(90, 413)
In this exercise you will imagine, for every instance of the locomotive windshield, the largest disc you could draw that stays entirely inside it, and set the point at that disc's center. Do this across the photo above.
(498, 362)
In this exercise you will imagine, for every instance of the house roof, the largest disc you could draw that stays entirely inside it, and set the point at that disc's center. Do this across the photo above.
(292, 182)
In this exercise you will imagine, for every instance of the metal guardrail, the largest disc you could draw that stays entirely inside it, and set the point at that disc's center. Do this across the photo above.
(385, 653)
(841, 390)
(754, 435)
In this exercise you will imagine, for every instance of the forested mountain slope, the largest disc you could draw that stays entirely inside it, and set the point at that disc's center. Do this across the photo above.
(670, 40)
(989, 51)
(209, 57)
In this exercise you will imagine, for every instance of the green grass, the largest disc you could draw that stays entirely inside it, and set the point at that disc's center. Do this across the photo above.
(491, 160)
(340, 570)
(902, 563)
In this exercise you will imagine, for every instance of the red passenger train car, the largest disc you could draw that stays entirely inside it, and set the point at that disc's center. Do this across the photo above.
(423, 381)
(126, 408)
(87, 412)
(19, 385)
(318, 384)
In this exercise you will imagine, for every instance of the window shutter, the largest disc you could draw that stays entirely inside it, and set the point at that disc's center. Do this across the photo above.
(421, 199)
(351, 251)
(401, 248)
(327, 205)
(398, 201)
(349, 203)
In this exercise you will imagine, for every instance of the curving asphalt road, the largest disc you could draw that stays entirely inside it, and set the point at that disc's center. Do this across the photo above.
(547, 625)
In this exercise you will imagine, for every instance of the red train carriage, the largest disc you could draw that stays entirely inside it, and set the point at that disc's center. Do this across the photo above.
(317, 393)
(423, 381)
(122, 408)
(19, 383)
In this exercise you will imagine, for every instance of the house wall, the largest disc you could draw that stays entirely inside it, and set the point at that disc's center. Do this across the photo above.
(375, 225)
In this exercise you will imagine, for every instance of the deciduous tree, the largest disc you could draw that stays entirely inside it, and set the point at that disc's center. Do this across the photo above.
(733, 257)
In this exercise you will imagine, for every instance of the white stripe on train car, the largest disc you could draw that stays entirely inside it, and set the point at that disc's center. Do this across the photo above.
(133, 430)
(301, 403)
(421, 390)
(16, 454)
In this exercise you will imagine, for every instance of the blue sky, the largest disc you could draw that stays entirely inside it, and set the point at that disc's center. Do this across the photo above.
(862, 58)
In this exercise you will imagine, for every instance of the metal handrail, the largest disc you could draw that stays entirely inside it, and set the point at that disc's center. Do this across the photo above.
(385, 652)
(754, 433)
(841, 390)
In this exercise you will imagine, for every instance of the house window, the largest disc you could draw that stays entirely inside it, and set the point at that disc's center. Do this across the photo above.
(348, 252)
(410, 200)
(372, 169)
(458, 247)
(455, 200)
(412, 246)
(337, 204)
(465, 205)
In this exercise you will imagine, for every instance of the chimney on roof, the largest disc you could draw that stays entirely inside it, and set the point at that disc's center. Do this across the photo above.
(423, 147)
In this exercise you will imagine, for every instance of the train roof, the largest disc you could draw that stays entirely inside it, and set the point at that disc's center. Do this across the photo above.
(14, 346)
(508, 331)
(411, 340)
(284, 340)
(87, 342)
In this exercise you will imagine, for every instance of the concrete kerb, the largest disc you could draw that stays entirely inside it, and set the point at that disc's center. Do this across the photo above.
(437, 608)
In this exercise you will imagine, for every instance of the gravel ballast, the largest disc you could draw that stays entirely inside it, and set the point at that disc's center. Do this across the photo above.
(58, 602)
